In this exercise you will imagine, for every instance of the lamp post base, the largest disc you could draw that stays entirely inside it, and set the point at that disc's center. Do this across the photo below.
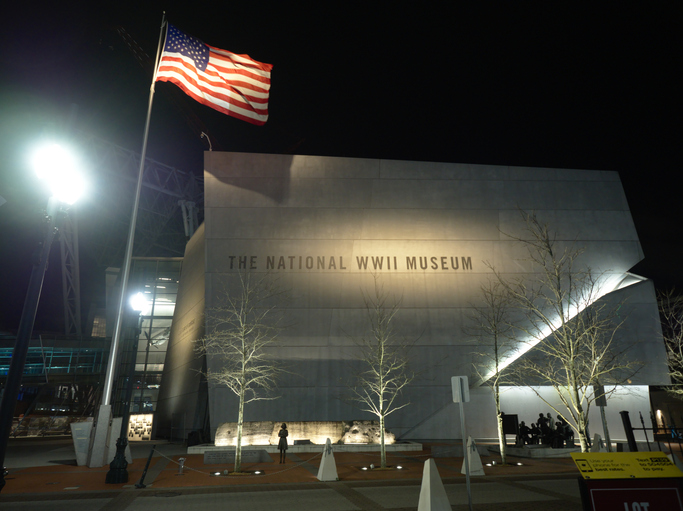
(118, 473)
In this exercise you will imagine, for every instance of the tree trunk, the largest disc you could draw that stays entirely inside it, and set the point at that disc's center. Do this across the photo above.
(581, 420)
(383, 449)
(582, 432)
(501, 435)
(238, 446)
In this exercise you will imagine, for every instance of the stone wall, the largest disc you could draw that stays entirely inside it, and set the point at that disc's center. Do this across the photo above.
(317, 432)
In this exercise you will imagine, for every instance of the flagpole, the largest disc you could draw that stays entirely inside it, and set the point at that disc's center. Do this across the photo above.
(101, 427)
(108, 384)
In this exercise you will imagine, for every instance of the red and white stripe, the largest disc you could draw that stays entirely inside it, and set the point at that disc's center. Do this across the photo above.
(233, 84)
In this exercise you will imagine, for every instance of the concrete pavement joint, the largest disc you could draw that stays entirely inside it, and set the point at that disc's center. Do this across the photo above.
(357, 499)
(121, 501)
(45, 497)
(542, 491)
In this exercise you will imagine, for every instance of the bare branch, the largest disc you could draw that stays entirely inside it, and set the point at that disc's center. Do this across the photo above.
(671, 314)
(491, 325)
(570, 332)
(240, 330)
(385, 358)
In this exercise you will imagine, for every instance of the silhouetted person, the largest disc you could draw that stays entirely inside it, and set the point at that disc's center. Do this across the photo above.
(546, 432)
(567, 431)
(542, 421)
(524, 432)
(535, 434)
(558, 436)
(282, 444)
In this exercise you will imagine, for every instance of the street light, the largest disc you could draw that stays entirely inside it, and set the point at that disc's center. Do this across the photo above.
(57, 167)
(118, 473)
(139, 303)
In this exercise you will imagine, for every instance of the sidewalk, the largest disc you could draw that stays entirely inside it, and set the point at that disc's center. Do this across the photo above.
(55, 483)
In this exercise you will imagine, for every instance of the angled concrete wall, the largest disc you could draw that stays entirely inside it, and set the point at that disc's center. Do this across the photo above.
(181, 400)
(326, 225)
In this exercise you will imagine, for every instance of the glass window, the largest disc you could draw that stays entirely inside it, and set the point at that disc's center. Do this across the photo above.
(158, 280)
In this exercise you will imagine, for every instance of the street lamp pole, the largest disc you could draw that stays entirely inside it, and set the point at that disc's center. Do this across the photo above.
(118, 473)
(59, 169)
(28, 317)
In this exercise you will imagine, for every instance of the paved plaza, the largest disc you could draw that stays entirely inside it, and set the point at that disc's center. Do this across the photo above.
(43, 475)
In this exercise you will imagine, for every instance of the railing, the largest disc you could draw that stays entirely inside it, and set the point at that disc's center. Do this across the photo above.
(55, 361)
(672, 432)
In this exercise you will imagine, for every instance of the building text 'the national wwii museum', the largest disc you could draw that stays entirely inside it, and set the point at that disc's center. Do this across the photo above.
(431, 233)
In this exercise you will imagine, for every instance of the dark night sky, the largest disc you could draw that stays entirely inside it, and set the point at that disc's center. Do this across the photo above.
(509, 83)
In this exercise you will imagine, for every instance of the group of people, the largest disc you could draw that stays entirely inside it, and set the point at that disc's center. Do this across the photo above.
(557, 434)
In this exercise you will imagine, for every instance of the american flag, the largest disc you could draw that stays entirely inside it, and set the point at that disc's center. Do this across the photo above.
(233, 84)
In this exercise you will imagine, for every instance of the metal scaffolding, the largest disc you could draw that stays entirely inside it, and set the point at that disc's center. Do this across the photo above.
(171, 208)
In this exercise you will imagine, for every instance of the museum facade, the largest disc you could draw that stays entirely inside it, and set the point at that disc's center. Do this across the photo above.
(431, 233)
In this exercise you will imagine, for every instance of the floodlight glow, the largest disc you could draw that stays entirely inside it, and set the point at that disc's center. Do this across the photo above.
(60, 170)
(611, 283)
(138, 302)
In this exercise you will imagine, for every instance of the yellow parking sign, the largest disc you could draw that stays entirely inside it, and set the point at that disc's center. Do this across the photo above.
(625, 465)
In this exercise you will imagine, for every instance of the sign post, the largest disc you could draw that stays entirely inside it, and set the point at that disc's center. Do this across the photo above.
(601, 401)
(461, 394)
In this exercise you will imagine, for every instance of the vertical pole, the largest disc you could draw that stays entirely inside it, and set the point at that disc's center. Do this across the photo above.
(645, 431)
(461, 394)
(101, 430)
(28, 318)
(118, 472)
(141, 482)
(131, 236)
(608, 440)
(148, 337)
(466, 454)
(628, 429)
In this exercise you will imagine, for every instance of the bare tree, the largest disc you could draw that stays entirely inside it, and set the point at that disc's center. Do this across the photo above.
(491, 323)
(671, 314)
(571, 331)
(241, 329)
(385, 358)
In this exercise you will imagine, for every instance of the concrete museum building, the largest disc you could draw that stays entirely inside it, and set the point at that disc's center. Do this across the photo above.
(430, 231)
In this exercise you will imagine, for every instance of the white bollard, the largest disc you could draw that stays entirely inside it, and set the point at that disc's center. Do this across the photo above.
(432, 493)
(476, 467)
(328, 467)
(598, 445)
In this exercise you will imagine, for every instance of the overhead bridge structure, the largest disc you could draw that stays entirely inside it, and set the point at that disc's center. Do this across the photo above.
(171, 208)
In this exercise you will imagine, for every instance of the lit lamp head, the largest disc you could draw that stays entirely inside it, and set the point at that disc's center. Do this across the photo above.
(59, 168)
(139, 303)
